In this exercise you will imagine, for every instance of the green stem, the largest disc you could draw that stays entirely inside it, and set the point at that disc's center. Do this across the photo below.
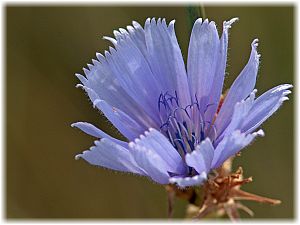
(193, 13)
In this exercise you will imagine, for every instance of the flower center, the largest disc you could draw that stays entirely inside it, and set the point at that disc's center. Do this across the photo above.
(184, 126)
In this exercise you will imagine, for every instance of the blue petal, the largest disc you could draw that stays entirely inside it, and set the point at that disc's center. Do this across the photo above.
(110, 155)
(240, 113)
(133, 56)
(82, 79)
(156, 48)
(216, 91)
(90, 129)
(158, 44)
(101, 82)
(179, 71)
(200, 159)
(124, 123)
(165, 58)
(134, 75)
(159, 144)
(137, 34)
(153, 165)
(240, 89)
(264, 106)
(183, 182)
(231, 145)
(202, 59)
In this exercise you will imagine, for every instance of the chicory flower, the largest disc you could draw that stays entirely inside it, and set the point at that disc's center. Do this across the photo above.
(178, 124)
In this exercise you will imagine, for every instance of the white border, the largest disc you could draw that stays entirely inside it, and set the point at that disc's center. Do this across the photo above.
(152, 2)
(138, 2)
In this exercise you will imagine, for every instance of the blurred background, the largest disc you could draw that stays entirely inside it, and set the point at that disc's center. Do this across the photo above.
(46, 45)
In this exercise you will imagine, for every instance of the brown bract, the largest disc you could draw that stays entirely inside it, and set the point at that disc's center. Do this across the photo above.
(221, 194)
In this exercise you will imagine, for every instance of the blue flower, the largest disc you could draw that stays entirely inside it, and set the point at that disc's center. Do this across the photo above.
(178, 124)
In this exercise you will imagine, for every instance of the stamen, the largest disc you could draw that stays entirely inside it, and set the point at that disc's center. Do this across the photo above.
(209, 105)
(170, 138)
(184, 126)
(166, 124)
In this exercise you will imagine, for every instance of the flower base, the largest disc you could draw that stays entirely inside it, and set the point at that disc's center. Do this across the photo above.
(221, 194)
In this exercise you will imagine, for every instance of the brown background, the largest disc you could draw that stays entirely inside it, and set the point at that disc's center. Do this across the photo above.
(45, 46)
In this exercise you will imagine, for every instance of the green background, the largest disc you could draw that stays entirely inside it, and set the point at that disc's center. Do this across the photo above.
(46, 45)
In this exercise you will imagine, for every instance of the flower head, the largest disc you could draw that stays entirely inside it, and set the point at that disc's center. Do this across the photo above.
(178, 124)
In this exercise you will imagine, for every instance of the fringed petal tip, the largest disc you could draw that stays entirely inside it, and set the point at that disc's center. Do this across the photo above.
(253, 92)
(89, 129)
(123, 31)
(255, 42)
(284, 89)
(200, 22)
(136, 24)
(260, 132)
(74, 124)
(172, 23)
(153, 21)
(183, 182)
(82, 78)
(78, 156)
(95, 62)
(284, 99)
(227, 24)
(79, 86)
(100, 56)
(254, 46)
(141, 136)
(110, 39)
